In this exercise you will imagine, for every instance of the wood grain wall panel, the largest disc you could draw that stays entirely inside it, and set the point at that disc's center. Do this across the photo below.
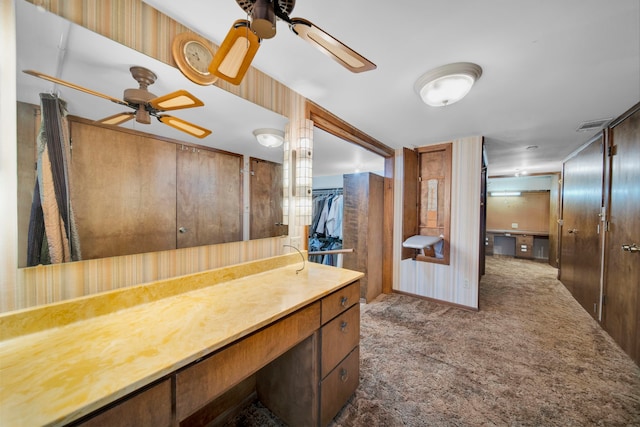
(51, 283)
(209, 197)
(554, 216)
(123, 192)
(530, 211)
(362, 229)
(265, 188)
(622, 267)
(582, 202)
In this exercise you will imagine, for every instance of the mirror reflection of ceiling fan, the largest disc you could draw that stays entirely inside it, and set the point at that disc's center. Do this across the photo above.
(236, 52)
(144, 103)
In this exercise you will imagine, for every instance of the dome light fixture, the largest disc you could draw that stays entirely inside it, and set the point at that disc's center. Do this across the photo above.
(269, 137)
(447, 84)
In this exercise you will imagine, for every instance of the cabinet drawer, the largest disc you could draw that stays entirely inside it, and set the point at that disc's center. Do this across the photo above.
(339, 385)
(151, 407)
(338, 338)
(339, 301)
(524, 240)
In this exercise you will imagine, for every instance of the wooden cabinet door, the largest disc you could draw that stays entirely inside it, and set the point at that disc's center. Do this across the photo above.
(123, 191)
(209, 197)
(622, 267)
(581, 247)
(265, 189)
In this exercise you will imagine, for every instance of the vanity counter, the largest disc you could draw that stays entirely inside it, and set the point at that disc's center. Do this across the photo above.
(63, 361)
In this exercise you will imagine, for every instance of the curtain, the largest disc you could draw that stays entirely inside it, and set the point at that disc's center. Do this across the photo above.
(53, 236)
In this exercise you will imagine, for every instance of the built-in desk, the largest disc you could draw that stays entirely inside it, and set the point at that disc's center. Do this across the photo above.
(165, 353)
(523, 242)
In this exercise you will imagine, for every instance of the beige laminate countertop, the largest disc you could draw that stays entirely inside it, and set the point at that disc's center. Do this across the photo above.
(71, 368)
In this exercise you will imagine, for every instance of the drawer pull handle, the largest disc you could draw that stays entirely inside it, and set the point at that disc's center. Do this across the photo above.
(343, 326)
(343, 301)
(344, 375)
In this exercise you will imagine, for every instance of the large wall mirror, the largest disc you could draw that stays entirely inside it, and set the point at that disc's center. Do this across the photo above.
(54, 46)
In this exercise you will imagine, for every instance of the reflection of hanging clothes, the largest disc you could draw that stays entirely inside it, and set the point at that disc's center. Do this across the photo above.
(326, 227)
(329, 219)
(333, 224)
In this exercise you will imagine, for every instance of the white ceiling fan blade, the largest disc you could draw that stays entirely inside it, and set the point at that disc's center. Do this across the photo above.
(73, 86)
(175, 101)
(331, 46)
(184, 126)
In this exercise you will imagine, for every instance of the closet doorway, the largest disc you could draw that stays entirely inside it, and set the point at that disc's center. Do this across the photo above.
(348, 209)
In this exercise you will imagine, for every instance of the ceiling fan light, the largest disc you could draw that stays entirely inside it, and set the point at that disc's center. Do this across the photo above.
(117, 119)
(176, 100)
(448, 84)
(235, 54)
(269, 137)
(263, 19)
(331, 46)
(190, 128)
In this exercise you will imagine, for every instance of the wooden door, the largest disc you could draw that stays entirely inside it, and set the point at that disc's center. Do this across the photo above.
(265, 194)
(582, 206)
(622, 267)
(409, 199)
(123, 191)
(209, 196)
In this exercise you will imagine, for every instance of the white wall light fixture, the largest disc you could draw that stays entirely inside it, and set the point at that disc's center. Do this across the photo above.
(303, 174)
(269, 137)
(447, 84)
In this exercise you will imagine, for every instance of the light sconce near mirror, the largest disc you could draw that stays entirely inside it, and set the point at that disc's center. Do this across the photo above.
(297, 172)
(447, 84)
(303, 184)
(269, 137)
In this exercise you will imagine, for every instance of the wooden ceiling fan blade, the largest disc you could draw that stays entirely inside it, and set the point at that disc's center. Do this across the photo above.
(73, 86)
(231, 61)
(175, 101)
(329, 45)
(118, 119)
(184, 126)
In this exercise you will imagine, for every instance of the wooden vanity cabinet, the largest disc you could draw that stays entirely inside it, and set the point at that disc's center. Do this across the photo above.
(304, 367)
(309, 384)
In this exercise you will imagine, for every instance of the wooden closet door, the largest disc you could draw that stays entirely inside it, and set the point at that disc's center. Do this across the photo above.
(622, 267)
(123, 191)
(265, 189)
(209, 196)
(581, 247)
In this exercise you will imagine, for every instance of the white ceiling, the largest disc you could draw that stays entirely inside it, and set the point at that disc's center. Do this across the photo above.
(547, 66)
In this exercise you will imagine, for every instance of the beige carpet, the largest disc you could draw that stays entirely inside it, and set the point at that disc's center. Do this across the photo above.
(530, 357)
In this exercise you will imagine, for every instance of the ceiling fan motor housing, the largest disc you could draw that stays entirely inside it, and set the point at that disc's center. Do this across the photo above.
(263, 19)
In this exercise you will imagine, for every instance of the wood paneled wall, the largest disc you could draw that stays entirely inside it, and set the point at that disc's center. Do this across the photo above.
(52, 283)
(530, 211)
(458, 282)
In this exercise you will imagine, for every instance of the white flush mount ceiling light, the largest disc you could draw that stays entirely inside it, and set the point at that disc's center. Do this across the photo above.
(447, 84)
(269, 137)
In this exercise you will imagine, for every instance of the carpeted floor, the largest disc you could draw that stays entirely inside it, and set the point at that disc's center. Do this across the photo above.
(530, 357)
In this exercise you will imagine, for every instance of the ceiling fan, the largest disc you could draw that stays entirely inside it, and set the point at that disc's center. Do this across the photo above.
(236, 52)
(144, 103)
